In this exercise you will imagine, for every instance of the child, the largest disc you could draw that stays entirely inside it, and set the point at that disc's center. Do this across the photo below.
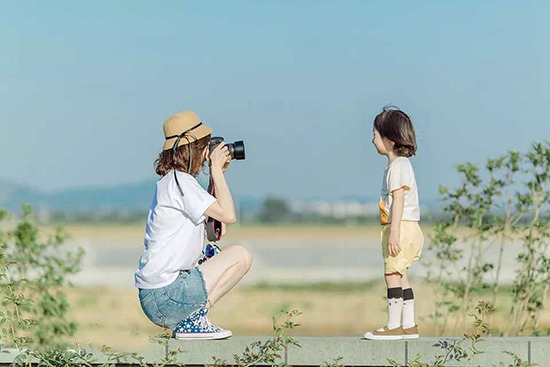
(402, 237)
(174, 292)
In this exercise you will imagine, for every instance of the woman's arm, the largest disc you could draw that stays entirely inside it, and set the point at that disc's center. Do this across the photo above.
(223, 209)
(396, 216)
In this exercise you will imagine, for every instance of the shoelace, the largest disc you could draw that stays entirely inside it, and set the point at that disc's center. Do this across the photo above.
(207, 325)
(204, 322)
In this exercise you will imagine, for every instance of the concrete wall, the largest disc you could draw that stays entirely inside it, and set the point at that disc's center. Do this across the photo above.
(314, 351)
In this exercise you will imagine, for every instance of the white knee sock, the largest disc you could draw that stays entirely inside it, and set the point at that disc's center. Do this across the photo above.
(395, 307)
(408, 308)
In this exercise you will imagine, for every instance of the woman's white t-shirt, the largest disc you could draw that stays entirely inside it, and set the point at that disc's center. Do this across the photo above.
(174, 236)
(399, 174)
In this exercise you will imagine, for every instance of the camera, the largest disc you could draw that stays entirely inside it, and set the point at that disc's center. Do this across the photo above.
(236, 149)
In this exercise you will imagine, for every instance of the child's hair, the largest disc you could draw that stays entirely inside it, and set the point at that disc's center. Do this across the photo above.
(397, 126)
(165, 162)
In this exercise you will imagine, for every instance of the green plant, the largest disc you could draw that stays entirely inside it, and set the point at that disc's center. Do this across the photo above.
(470, 204)
(516, 361)
(336, 362)
(268, 352)
(531, 284)
(83, 358)
(33, 272)
(507, 202)
(464, 350)
(257, 353)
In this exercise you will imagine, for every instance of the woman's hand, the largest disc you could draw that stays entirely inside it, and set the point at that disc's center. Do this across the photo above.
(220, 158)
(393, 244)
(226, 166)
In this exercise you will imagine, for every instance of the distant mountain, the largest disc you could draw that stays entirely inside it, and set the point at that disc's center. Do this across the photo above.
(119, 198)
(131, 197)
(127, 197)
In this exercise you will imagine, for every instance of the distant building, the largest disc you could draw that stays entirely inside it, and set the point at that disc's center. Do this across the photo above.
(337, 209)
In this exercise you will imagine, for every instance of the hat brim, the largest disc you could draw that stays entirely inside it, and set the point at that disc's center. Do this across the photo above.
(199, 133)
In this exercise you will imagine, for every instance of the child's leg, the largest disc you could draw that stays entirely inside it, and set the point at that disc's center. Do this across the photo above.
(395, 300)
(408, 303)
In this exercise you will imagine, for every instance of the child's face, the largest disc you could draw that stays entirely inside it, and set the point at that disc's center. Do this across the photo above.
(383, 146)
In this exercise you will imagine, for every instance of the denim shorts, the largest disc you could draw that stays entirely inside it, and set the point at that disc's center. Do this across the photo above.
(168, 306)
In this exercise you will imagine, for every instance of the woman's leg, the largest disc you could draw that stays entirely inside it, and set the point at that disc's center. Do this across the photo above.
(223, 271)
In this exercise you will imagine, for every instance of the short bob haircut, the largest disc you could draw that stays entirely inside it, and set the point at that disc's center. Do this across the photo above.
(167, 161)
(397, 126)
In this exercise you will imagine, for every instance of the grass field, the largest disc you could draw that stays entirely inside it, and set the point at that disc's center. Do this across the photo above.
(132, 235)
(114, 317)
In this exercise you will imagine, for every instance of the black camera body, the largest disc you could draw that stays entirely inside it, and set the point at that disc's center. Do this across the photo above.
(236, 149)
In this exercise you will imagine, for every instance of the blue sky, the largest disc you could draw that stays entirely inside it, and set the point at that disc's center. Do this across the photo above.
(85, 87)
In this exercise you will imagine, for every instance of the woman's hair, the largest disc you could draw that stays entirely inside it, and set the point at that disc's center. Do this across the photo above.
(397, 126)
(168, 161)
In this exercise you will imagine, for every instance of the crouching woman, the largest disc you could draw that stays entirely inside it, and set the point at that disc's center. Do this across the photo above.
(174, 291)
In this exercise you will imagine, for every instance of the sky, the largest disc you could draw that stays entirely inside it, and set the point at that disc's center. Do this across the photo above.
(86, 86)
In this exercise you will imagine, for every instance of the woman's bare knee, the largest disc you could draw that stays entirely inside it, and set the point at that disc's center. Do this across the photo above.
(244, 256)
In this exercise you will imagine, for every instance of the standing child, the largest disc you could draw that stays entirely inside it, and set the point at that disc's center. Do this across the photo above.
(402, 237)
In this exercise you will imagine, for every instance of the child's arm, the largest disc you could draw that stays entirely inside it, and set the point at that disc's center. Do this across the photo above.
(396, 216)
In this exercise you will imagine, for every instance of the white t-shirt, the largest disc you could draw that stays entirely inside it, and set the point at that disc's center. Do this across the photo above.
(174, 236)
(399, 174)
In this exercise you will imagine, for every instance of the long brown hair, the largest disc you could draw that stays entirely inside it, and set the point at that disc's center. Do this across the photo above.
(167, 160)
(397, 126)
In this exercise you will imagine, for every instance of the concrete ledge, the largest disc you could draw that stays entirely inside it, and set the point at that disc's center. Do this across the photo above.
(315, 351)
(353, 350)
(199, 353)
(7, 355)
(493, 350)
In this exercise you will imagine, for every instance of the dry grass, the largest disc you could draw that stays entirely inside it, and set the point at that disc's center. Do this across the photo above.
(114, 317)
(134, 233)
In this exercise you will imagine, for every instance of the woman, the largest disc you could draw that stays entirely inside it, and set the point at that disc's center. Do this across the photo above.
(175, 292)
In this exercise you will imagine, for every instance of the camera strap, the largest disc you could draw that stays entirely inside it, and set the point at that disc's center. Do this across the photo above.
(213, 227)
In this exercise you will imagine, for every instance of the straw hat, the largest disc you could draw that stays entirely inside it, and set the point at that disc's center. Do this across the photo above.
(184, 122)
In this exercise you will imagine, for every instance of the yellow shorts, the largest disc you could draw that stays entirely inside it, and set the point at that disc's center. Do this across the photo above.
(411, 240)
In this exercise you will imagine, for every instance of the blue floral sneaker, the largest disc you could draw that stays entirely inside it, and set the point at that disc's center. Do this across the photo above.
(197, 326)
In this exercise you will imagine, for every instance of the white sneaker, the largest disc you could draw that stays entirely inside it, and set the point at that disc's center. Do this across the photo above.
(197, 326)
(385, 334)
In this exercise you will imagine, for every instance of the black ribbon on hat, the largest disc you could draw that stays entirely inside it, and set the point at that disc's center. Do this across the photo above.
(185, 132)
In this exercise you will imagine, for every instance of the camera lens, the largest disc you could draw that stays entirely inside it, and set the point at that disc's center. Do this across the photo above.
(237, 150)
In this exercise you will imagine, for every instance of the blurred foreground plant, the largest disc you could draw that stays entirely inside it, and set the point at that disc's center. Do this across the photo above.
(270, 352)
(508, 202)
(33, 272)
(267, 353)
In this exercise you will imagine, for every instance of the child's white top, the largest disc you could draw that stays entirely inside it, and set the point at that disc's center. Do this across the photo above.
(174, 236)
(399, 174)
